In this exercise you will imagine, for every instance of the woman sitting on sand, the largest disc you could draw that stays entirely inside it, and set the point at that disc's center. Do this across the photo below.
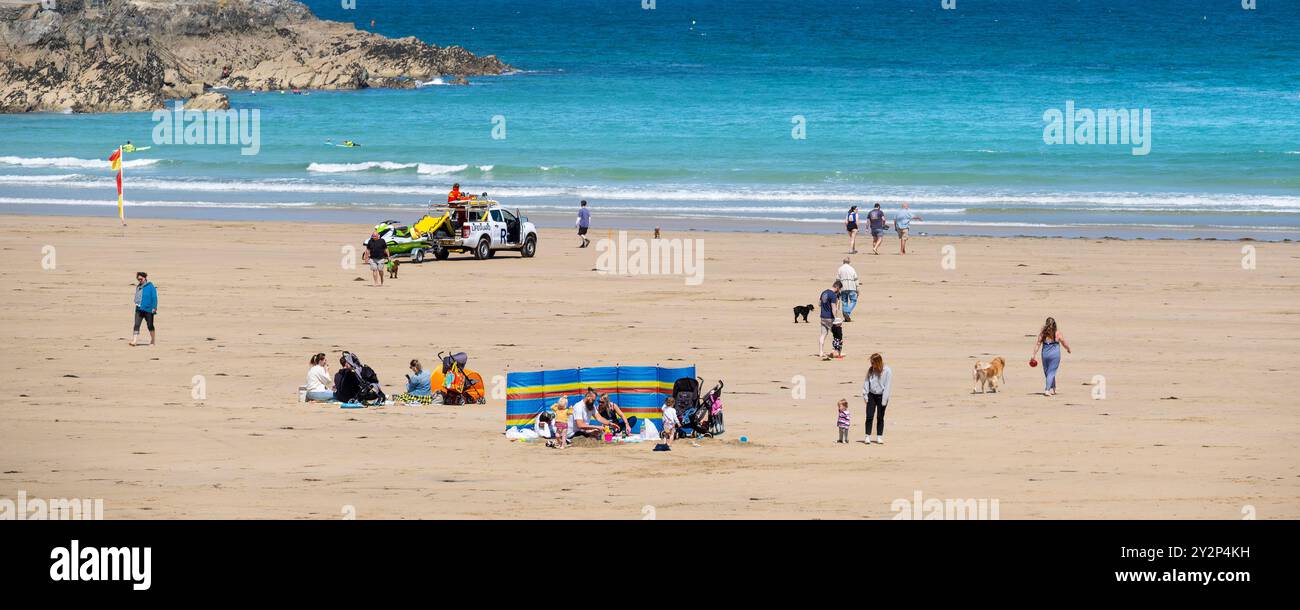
(419, 386)
(1050, 342)
(320, 388)
(608, 414)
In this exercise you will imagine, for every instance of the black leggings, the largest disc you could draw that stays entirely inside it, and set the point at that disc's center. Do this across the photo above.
(874, 406)
(143, 315)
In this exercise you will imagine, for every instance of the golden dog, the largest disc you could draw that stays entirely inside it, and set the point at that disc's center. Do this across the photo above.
(989, 375)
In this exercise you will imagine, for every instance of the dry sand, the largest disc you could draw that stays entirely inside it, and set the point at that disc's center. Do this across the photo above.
(1198, 354)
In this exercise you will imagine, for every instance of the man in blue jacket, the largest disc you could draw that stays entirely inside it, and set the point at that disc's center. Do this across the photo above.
(146, 305)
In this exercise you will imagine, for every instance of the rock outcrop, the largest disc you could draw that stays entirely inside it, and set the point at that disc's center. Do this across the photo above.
(134, 55)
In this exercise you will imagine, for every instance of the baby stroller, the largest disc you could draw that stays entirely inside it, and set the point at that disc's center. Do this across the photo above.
(460, 386)
(695, 415)
(368, 390)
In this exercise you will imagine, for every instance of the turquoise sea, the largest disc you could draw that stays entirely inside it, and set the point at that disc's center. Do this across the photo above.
(687, 114)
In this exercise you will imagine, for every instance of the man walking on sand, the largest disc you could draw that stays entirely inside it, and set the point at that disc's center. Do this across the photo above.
(583, 222)
(902, 221)
(848, 277)
(376, 254)
(146, 305)
(876, 220)
(831, 320)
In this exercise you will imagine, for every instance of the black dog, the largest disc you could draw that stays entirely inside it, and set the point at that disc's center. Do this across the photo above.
(802, 310)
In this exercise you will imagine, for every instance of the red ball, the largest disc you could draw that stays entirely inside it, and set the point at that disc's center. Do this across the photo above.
(1033, 362)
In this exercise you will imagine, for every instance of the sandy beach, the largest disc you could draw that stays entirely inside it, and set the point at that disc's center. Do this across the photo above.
(1197, 356)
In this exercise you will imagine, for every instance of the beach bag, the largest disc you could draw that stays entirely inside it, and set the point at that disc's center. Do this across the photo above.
(453, 380)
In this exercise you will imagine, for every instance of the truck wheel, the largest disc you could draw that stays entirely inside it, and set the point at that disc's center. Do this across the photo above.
(483, 250)
(530, 247)
(417, 257)
(441, 253)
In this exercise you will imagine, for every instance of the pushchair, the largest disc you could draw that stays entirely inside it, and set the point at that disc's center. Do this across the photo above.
(368, 391)
(460, 386)
(695, 413)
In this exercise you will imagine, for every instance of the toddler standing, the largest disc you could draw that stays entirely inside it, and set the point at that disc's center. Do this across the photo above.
(842, 422)
(562, 411)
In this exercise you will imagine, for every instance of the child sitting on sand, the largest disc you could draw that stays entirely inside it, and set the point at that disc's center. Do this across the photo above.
(670, 420)
(561, 411)
(545, 427)
(843, 421)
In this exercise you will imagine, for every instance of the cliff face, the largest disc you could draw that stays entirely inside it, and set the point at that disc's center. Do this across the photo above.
(133, 55)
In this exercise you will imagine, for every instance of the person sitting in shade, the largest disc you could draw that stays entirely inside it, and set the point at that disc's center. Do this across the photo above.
(583, 412)
(609, 414)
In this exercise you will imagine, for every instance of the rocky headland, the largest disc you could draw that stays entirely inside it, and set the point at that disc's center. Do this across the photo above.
(135, 55)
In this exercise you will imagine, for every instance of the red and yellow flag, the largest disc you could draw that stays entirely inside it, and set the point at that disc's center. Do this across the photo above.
(116, 160)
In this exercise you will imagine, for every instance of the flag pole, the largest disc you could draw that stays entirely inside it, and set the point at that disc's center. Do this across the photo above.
(121, 169)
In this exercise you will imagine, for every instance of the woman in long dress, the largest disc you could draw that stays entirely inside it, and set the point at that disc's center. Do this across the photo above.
(1050, 342)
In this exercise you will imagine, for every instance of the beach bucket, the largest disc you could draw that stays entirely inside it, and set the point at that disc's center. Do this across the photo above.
(302, 393)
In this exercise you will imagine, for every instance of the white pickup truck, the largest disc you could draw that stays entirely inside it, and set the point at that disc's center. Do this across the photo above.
(482, 227)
